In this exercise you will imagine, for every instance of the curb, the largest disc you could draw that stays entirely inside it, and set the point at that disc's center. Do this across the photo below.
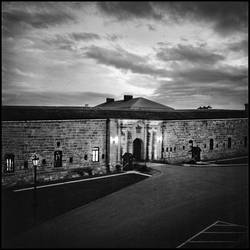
(81, 180)
(214, 165)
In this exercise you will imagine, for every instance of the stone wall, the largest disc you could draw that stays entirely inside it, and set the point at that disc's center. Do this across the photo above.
(177, 135)
(168, 141)
(75, 138)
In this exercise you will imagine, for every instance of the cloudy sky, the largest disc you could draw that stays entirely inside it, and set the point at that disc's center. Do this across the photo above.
(181, 54)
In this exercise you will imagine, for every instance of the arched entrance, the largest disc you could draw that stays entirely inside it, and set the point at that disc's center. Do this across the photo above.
(137, 149)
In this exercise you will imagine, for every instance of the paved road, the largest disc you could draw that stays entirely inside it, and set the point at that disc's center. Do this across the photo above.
(162, 211)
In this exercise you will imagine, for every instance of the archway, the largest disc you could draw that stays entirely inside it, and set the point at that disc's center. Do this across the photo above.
(137, 149)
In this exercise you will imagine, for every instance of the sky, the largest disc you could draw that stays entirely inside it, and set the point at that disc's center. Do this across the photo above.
(180, 54)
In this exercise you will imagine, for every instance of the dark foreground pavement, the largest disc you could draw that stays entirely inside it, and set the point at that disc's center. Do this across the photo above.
(162, 211)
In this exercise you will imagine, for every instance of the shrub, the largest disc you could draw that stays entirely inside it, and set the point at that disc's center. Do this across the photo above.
(118, 167)
(81, 171)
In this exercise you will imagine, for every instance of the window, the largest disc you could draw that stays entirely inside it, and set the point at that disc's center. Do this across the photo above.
(166, 149)
(170, 149)
(174, 149)
(205, 145)
(229, 142)
(58, 144)
(129, 135)
(70, 159)
(138, 129)
(9, 163)
(217, 145)
(245, 141)
(183, 147)
(190, 144)
(211, 144)
(58, 159)
(25, 165)
(95, 154)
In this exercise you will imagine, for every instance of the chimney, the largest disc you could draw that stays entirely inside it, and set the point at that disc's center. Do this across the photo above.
(108, 100)
(128, 97)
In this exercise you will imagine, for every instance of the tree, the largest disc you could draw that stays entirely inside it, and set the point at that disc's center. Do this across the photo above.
(205, 107)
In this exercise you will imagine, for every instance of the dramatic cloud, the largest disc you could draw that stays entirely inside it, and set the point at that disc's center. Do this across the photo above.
(84, 36)
(18, 18)
(225, 17)
(129, 10)
(17, 22)
(71, 40)
(182, 54)
(215, 86)
(241, 46)
(25, 74)
(124, 60)
(202, 75)
(55, 98)
(189, 53)
(36, 20)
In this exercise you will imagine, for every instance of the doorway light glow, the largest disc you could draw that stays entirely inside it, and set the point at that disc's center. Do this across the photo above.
(114, 139)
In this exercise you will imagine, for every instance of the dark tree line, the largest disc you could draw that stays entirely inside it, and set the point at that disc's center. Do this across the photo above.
(205, 107)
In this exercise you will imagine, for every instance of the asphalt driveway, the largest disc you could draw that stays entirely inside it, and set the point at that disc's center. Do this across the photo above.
(161, 211)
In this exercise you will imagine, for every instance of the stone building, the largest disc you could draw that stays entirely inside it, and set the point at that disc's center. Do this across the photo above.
(70, 139)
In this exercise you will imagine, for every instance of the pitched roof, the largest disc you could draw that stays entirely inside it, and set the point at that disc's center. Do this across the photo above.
(139, 103)
(26, 113)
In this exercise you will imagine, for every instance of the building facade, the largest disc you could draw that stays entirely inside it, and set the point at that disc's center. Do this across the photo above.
(68, 140)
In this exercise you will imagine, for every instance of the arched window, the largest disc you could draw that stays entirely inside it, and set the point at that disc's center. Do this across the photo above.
(58, 159)
(211, 144)
(9, 163)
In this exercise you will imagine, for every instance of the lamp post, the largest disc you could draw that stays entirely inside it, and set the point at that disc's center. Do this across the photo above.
(35, 163)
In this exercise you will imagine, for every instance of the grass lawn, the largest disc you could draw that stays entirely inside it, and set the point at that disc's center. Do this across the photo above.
(18, 211)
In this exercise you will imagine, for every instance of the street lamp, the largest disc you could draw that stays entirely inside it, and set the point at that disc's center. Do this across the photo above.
(35, 161)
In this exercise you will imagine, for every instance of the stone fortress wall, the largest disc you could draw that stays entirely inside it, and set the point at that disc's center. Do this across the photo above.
(158, 140)
(74, 138)
(169, 141)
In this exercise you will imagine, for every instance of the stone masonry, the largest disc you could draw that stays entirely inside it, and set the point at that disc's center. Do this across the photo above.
(169, 141)
(153, 140)
(75, 138)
